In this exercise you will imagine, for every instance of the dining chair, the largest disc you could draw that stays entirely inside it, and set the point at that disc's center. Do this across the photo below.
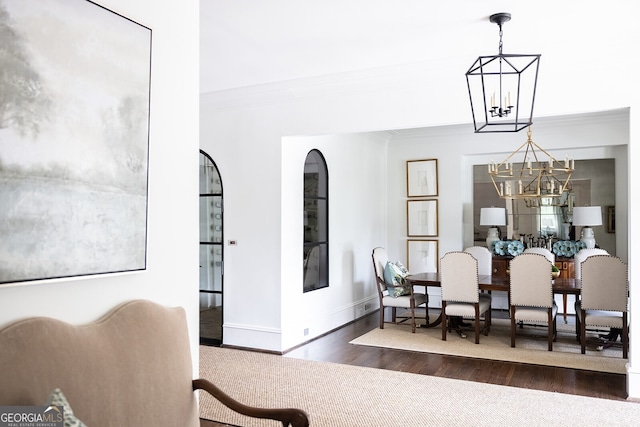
(460, 292)
(604, 297)
(578, 259)
(542, 251)
(411, 301)
(484, 257)
(532, 294)
(581, 256)
(552, 258)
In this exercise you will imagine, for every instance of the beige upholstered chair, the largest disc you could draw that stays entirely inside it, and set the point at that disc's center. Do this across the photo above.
(410, 302)
(484, 257)
(581, 256)
(604, 294)
(552, 259)
(460, 292)
(542, 251)
(532, 294)
(578, 259)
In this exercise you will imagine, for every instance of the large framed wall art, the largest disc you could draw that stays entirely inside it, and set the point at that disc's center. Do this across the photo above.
(422, 178)
(74, 140)
(422, 218)
(422, 256)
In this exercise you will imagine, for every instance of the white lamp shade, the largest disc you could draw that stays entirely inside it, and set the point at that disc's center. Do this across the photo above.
(588, 216)
(493, 216)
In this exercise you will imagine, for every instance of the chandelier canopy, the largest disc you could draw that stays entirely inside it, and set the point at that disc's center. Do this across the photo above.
(502, 88)
(532, 174)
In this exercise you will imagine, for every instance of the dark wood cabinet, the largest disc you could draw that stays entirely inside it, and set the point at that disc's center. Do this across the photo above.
(566, 267)
(500, 265)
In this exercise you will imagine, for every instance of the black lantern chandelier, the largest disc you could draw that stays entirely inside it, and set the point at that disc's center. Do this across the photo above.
(502, 88)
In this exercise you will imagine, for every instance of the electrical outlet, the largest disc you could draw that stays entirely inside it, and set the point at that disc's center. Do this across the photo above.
(306, 331)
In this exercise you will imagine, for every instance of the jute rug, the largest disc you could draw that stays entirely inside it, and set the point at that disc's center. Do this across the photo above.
(531, 345)
(335, 395)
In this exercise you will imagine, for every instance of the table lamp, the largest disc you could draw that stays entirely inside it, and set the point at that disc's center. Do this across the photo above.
(587, 217)
(493, 217)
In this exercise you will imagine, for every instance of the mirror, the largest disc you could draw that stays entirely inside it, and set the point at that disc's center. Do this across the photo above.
(593, 183)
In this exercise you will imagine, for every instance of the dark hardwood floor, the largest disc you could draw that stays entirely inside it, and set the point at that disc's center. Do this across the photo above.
(335, 347)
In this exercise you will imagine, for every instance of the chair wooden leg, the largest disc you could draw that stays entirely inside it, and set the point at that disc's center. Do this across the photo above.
(444, 321)
(550, 328)
(577, 321)
(487, 322)
(583, 331)
(413, 316)
(393, 314)
(625, 336)
(513, 326)
(477, 323)
(381, 316)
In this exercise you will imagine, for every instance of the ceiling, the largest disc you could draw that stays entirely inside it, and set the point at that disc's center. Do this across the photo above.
(251, 42)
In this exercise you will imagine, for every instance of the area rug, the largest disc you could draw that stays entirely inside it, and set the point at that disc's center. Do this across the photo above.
(335, 395)
(531, 345)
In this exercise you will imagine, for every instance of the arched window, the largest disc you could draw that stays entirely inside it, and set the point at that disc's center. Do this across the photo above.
(316, 222)
(211, 252)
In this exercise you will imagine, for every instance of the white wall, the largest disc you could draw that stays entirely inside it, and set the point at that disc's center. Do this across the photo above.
(243, 131)
(357, 223)
(171, 277)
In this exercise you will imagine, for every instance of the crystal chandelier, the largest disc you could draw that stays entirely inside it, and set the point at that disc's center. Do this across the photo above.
(532, 174)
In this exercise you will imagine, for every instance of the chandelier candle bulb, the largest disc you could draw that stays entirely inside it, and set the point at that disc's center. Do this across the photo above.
(520, 186)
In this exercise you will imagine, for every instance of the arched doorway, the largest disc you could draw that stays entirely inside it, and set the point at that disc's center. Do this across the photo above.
(211, 252)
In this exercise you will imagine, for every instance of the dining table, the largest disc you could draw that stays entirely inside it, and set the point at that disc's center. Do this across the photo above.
(487, 283)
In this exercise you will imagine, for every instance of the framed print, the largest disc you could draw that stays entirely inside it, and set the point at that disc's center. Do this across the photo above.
(74, 140)
(422, 256)
(422, 218)
(422, 178)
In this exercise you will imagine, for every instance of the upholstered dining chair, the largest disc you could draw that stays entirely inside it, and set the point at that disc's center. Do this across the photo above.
(552, 259)
(460, 292)
(484, 257)
(604, 297)
(532, 294)
(581, 256)
(542, 251)
(578, 259)
(410, 302)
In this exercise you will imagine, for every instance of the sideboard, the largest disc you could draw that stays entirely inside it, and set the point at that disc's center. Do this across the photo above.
(500, 265)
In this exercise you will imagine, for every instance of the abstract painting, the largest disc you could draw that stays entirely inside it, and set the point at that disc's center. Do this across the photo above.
(74, 140)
